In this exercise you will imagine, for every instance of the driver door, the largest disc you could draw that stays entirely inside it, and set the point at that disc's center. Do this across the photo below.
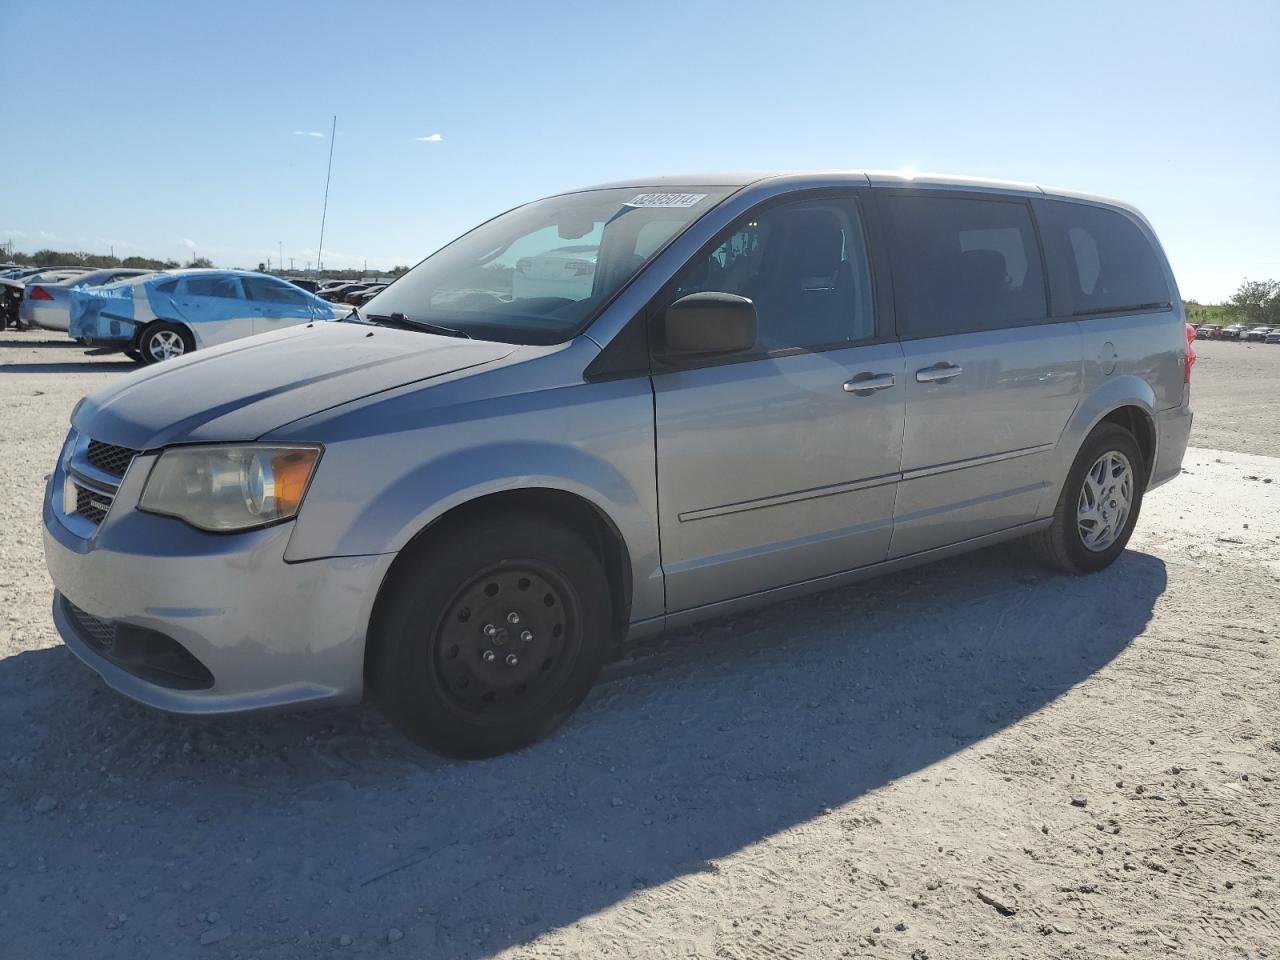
(773, 467)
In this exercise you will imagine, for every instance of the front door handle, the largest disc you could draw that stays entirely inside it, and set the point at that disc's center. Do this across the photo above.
(866, 383)
(939, 373)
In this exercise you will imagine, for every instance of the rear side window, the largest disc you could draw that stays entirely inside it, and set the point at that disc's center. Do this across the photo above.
(963, 264)
(1106, 263)
(213, 287)
(272, 291)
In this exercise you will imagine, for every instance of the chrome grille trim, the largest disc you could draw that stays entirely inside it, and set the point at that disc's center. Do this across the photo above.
(90, 483)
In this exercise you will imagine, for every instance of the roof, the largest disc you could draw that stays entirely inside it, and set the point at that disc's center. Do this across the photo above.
(876, 178)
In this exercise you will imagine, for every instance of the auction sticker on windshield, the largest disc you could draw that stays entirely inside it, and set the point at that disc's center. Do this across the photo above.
(665, 200)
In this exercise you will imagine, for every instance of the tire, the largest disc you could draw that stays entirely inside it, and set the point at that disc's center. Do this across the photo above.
(135, 356)
(443, 637)
(164, 341)
(1063, 544)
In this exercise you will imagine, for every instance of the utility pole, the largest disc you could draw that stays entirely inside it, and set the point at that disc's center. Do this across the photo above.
(333, 133)
(291, 264)
(281, 246)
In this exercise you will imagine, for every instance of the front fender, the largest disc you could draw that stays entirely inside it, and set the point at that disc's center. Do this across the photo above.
(373, 493)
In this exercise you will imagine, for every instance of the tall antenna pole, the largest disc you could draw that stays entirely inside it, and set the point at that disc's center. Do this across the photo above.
(325, 209)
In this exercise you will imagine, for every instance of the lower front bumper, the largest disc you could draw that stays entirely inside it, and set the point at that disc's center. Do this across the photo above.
(272, 634)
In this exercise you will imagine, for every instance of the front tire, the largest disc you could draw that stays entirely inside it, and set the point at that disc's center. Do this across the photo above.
(165, 341)
(487, 638)
(1099, 504)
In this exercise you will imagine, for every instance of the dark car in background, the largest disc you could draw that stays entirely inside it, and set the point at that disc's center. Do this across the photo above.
(364, 293)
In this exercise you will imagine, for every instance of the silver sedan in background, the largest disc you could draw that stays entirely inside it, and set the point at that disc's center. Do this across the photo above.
(47, 305)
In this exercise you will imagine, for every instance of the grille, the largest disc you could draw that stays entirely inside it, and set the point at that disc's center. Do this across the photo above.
(91, 505)
(109, 458)
(99, 633)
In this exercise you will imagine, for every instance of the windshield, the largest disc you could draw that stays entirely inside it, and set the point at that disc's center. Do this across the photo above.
(538, 273)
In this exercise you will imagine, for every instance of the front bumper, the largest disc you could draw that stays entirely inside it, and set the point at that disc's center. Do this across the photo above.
(272, 634)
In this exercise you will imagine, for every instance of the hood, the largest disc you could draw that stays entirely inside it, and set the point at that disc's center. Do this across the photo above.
(246, 388)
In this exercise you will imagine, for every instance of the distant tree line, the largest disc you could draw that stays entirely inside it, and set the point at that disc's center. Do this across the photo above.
(64, 258)
(1255, 302)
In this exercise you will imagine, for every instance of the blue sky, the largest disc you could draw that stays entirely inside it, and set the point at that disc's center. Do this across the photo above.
(173, 129)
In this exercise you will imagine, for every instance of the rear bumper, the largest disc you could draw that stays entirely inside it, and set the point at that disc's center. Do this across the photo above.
(1173, 431)
(270, 634)
(46, 316)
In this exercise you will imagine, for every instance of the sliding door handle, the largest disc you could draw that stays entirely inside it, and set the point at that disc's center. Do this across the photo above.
(864, 384)
(939, 373)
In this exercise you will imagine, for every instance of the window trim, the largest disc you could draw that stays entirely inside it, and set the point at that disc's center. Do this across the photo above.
(855, 194)
(895, 269)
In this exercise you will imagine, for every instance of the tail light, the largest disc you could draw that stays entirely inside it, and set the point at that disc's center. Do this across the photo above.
(1191, 353)
(39, 293)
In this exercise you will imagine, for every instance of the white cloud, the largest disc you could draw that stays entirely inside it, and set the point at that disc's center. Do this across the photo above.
(307, 133)
(433, 138)
(189, 244)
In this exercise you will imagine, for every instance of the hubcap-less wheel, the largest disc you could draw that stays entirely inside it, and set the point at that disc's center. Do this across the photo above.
(165, 345)
(506, 640)
(1106, 497)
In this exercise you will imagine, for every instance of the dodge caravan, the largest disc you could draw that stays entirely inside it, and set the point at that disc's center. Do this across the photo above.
(733, 390)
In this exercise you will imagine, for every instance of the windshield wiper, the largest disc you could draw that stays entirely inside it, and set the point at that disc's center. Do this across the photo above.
(400, 320)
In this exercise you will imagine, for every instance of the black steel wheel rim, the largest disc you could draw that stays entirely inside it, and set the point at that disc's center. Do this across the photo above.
(507, 640)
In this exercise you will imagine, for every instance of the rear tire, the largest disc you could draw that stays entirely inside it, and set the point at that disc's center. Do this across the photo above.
(1098, 506)
(486, 639)
(164, 341)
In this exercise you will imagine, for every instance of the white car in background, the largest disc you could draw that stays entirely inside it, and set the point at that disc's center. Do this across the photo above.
(567, 272)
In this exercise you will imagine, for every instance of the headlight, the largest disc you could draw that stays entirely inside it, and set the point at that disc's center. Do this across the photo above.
(225, 488)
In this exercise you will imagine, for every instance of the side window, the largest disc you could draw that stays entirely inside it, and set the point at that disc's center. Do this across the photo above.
(167, 286)
(803, 264)
(1107, 263)
(271, 291)
(225, 287)
(964, 264)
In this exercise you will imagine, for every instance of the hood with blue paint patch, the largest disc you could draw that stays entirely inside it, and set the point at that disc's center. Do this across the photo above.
(246, 388)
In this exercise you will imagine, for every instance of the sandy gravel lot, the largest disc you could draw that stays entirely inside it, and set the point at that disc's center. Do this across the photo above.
(974, 759)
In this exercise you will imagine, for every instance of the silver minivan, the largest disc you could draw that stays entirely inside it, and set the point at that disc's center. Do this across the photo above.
(610, 412)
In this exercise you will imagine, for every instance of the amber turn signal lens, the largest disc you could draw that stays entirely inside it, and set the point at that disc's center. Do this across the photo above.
(292, 471)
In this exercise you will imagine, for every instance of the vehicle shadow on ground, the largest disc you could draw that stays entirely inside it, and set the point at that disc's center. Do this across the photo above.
(300, 828)
(101, 366)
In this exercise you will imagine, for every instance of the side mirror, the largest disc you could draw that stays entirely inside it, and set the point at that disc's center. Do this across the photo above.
(708, 325)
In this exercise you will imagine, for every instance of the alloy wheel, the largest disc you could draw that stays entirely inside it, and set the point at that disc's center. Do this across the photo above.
(1105, 501)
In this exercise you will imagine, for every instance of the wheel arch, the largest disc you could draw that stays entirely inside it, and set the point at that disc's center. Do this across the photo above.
(1128, 401)
(564, 507)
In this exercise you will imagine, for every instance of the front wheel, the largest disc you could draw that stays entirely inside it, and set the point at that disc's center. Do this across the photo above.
(488, 637)
(1099, 503)
(164, 341)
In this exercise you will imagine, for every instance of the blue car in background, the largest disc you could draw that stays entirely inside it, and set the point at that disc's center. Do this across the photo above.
(165, 315)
